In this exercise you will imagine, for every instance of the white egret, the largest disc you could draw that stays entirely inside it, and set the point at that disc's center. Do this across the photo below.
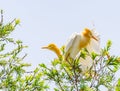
(87, 39)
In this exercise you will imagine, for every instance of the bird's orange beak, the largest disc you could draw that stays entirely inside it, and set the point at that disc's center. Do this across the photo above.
(45, 47)
(94, 38)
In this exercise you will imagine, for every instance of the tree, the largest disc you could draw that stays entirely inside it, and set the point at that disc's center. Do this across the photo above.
(67, 76)
(13, 76)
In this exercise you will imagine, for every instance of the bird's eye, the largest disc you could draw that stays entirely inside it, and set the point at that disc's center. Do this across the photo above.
(51, 46)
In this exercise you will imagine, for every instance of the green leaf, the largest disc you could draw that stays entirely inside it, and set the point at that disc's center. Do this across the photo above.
(54, 72)
(94, 55)
(17, 21)
(62, 49)
(25, 64)
(10, 40)
(56, 89)
(42, 65)
(18, 41)
(2, 47)
(117, 87)
(3, 62)
(83, 54)
(109, 43)
(36, 70)
(55, 62)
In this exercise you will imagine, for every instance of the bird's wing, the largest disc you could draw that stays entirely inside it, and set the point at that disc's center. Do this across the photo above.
(86, 63)
(94, 45)
(71, 44)
(70, 41)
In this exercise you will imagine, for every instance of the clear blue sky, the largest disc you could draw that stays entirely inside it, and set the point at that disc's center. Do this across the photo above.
(46, 21)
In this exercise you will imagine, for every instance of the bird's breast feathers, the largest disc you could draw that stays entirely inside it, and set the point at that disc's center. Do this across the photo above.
(84, 42)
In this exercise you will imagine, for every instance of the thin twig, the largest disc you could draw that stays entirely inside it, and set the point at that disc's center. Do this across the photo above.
(55, 80)
(1, 22)
(24, 56)
(76, 77)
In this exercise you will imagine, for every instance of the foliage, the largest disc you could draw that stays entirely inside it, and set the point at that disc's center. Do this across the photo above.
(13, 76)
(117, 88)
(66, 75)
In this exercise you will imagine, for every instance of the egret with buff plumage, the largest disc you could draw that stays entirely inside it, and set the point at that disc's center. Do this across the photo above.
(86, 39)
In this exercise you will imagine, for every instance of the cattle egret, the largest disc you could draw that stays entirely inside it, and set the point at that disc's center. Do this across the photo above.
(87, 39)
(53, 48)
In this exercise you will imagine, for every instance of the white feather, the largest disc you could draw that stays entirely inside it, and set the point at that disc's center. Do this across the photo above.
(70, 41)
(86, 63)
(72, 45)
(94, 46)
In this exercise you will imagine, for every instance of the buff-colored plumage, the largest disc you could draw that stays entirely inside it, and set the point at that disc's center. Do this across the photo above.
(53, 48)
(87, 39)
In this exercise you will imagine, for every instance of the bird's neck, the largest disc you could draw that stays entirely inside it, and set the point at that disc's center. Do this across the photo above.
(57, 51)
(85, 41)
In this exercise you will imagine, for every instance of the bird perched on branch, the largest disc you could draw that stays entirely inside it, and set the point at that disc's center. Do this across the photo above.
(53, 48)
(87, 39)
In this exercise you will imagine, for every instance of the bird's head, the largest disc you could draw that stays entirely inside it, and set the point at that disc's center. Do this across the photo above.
(53, 48)
(50, 47)
(88, 33)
